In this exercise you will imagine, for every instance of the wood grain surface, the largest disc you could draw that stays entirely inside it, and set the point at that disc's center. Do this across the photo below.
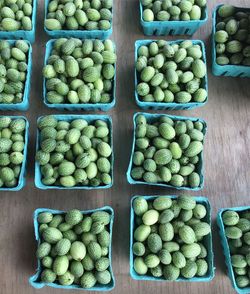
(227, 166)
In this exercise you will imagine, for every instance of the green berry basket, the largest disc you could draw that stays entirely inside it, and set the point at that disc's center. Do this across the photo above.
(170, 105)
(88, 118)
(208, 244)
(79, 106)
(200, 168)
(226, 70)
(164, 28)
(82, 34)
(226, 249)
(35, 279)
(23, 34)
(24, 105)
(22, 176)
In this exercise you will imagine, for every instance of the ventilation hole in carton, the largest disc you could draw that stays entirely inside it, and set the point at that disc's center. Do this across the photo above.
(242, 74)
(171, 32)
(224, 73)
(187, 32)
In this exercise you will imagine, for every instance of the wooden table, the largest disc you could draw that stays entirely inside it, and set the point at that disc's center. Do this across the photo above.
(227, 166)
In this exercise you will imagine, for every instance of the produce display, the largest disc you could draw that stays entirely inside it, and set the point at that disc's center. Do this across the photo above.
(80, 72)
(171, 72)
(79, 15)
(176, 10)
(171, 237)
(237, 231)
(232, 36)
(74, 248)
(13, 71)
(74, 152)
(12, 145)
(168, 151)
(16, 15)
